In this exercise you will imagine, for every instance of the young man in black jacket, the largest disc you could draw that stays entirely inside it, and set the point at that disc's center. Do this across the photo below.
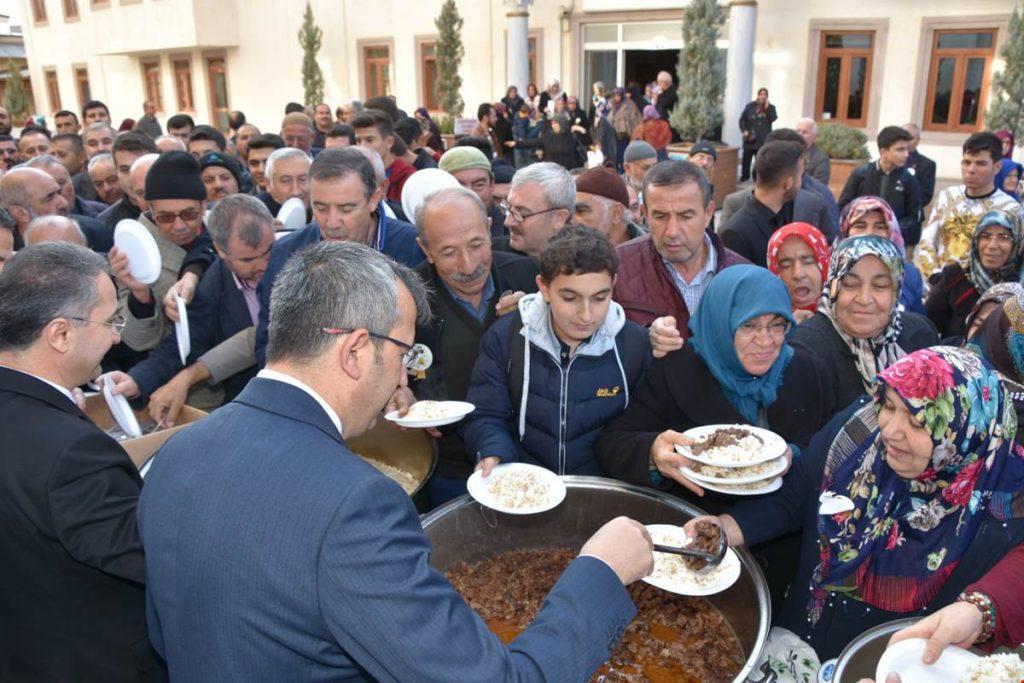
(889, 179)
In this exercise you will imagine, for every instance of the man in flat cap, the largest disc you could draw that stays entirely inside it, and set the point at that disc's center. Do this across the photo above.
(473, 170)
(602, 203)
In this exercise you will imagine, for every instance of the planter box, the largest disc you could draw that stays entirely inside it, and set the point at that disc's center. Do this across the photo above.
(448, 139)
(724, 178)
(841, 170)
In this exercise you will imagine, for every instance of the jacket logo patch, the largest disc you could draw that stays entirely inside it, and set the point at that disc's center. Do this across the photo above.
(608, 393)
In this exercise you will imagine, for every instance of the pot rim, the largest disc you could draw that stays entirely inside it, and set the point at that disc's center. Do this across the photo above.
(600, 483)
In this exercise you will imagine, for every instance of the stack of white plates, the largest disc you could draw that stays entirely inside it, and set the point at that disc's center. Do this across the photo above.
(292, 215)
(746, 473)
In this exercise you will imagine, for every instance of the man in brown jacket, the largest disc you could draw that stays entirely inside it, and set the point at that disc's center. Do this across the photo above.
(662, 276)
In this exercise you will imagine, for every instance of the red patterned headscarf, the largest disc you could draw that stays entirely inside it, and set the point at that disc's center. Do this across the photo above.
(811, 236)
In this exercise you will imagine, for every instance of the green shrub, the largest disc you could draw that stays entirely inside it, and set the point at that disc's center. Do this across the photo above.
(446, 124)
(842, 142)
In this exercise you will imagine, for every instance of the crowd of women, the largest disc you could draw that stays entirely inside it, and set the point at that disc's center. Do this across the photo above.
(905, 403)
(556, 127)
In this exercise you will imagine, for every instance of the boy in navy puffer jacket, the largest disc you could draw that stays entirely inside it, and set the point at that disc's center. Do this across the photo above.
(550, 376)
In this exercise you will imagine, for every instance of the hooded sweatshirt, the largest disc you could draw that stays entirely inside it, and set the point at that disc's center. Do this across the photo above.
(530, 407)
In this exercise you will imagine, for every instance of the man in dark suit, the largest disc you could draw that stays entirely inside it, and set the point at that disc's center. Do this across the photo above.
(467, 279)
(345, 197)
(922, 168)
(73, 575)
(221, 321)
(292, 554)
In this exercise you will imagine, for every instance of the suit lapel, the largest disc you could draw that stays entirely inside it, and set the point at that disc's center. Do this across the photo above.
(289, 402)
(21, 383)
(236, 310)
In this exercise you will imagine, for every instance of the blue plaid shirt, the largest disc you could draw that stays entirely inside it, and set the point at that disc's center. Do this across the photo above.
(694, 290)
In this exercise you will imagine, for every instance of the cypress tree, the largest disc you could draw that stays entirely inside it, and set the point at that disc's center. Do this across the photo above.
(310, 38)
(449, 53)
(1007, 107)
(698, 111)
(15, 99)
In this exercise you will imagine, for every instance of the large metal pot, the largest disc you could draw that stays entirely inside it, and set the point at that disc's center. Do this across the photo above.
(860, 658)
(463, 531)
(410, 450)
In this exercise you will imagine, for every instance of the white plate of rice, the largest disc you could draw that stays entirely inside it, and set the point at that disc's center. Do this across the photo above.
(757, 488)
(734, 476)
(517, 488)
(904, 658)
(758, 446)
(672, 575)
(431, 414)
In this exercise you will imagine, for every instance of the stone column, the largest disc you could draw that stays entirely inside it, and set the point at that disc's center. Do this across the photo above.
(518, 55)
(739, 72)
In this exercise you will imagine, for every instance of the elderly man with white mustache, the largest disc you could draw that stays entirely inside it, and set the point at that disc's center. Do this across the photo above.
(467, 279)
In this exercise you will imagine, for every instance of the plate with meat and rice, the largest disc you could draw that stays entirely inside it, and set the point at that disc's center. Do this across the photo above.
(732, 445)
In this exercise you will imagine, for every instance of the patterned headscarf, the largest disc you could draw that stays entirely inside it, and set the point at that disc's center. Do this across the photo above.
(860, 206)
(651, 112)
(996, 294)
(875, 354)
(983, 278)
(904, 538)
(1000, 340)
(810, 236)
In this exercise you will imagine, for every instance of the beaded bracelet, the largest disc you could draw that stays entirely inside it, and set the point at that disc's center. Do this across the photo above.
(988, 612)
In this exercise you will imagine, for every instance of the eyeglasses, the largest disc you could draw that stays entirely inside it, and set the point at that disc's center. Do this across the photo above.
(775, 330)
(117, 322)
(507, 210)
(409, 357)
(167, 217)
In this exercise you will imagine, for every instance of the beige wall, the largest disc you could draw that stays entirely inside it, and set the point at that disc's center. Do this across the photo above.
(258, 38)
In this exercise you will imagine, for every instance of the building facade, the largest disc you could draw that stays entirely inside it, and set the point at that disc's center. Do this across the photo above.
(868, 64)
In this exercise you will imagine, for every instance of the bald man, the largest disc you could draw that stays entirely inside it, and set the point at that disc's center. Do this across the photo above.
(28, 193)
(54, 229)
(170, 143)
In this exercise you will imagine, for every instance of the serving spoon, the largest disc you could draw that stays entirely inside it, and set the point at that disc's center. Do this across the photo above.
(710, 559)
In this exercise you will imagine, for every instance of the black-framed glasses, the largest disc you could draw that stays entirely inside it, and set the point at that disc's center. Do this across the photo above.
(117, 322)
(169, 217)
(507, 210)
(409, 352)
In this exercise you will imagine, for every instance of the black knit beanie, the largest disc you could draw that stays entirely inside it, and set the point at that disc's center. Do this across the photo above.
(174, 175)
(224, 161)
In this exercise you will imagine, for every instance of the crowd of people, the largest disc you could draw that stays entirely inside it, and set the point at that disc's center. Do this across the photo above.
(573, 282)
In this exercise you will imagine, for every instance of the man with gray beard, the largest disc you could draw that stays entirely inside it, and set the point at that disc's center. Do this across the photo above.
(467, 279)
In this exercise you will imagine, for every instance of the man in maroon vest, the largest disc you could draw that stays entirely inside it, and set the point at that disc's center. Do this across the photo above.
(663, 275)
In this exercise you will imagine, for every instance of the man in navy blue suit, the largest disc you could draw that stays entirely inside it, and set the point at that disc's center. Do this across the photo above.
(275, 553)
(345, 198)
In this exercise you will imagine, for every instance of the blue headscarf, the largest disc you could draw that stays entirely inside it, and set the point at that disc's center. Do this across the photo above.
(734, 296)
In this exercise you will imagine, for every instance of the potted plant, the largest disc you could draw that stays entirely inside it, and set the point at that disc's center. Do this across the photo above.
(846, 148)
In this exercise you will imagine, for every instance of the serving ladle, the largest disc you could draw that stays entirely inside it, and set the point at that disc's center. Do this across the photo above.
(710, 559)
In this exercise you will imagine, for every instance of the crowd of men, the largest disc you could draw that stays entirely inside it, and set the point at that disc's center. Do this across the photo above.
(612, 259)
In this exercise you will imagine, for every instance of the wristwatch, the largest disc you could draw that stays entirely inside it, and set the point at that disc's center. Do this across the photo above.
(988, 612)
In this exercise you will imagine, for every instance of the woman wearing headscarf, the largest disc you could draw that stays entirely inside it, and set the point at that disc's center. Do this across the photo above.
(625, 117)
(557, 144)
(798, 255)
(996, 256)
(434, 142)
(926, 483)
(736, 369)
(533, 96)
(860, 327)
(1009, 167)
(512, 101)
(989, 303)
(999, 338)
(869, 215)
(654, 131)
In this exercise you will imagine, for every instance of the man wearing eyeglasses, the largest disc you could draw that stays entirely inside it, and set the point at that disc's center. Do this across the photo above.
(541, 201)
(272, 549)
(222, 321)
(176, 198)
(73, 576)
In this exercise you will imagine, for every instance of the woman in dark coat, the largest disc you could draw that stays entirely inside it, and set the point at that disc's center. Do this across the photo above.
(928, 491)
(996, 256)
(860, 327)
(736, 369)
(557, 143)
